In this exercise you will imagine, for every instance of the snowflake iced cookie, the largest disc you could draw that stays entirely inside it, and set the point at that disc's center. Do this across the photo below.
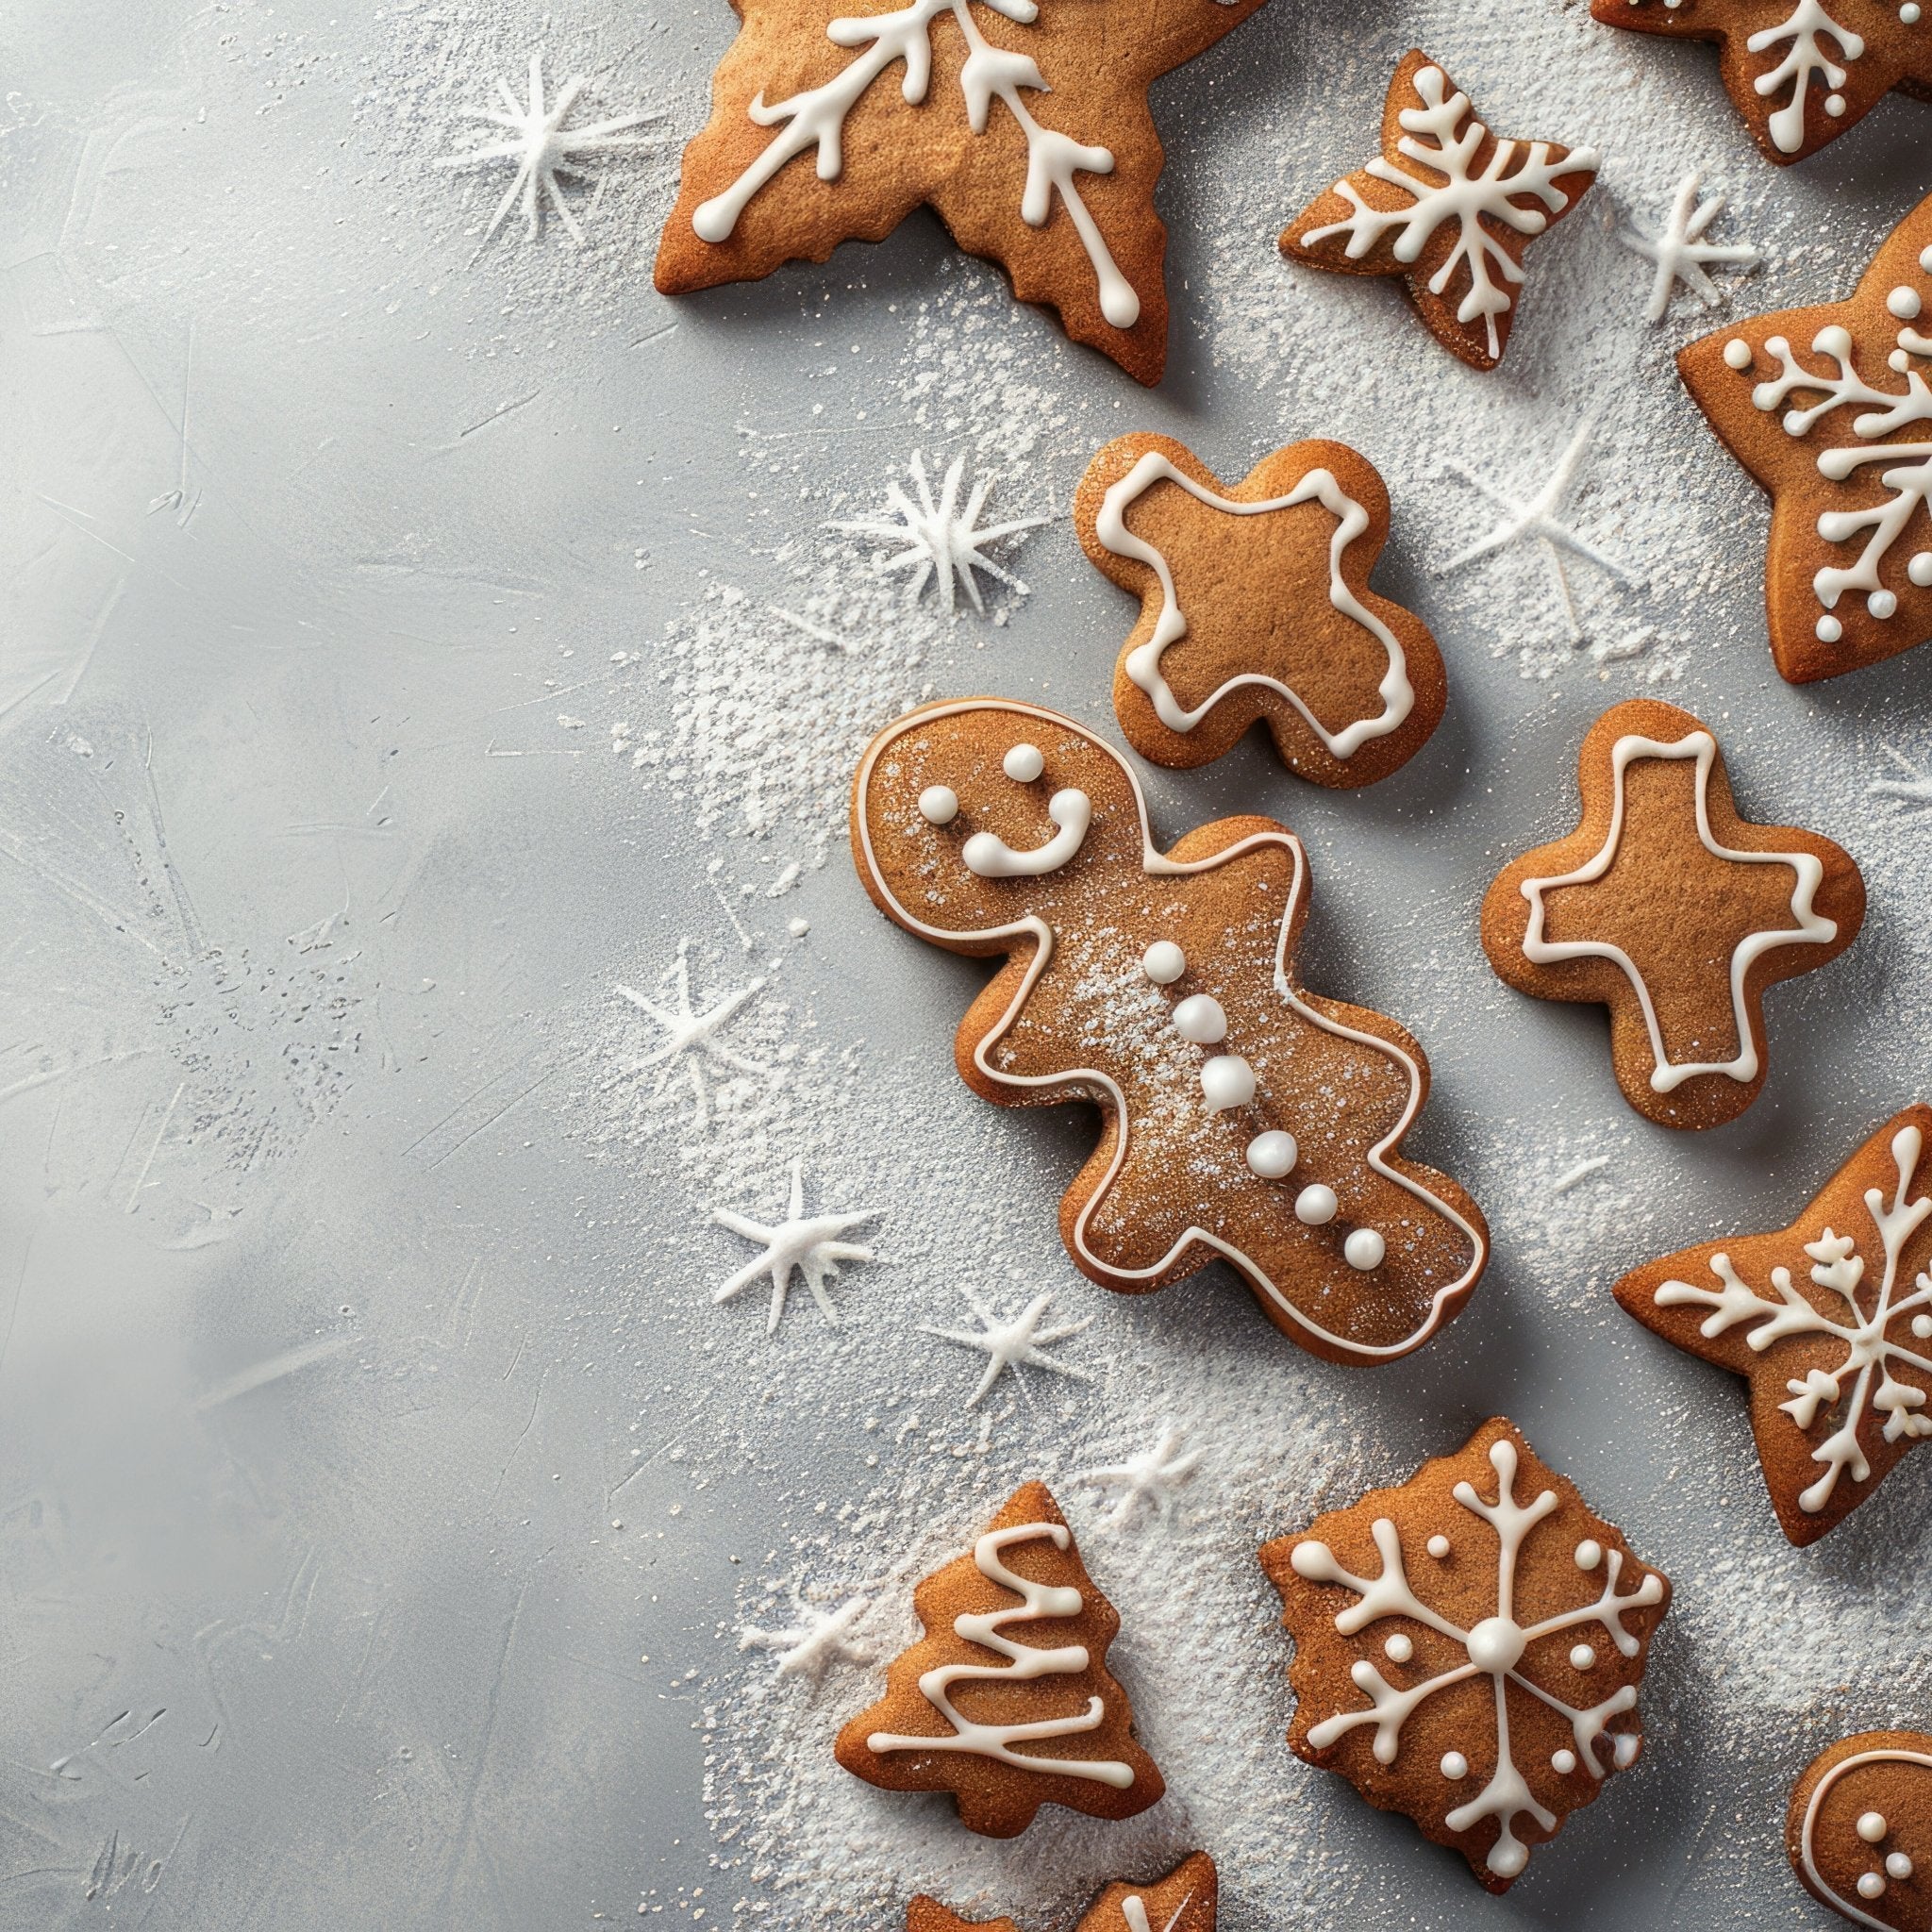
(1005, 1702)
(1245, 1118)
(1829, 409)
(1447, 206)
(1183, 1901)
(1469, 1647)
(1254, 604)
(1023, 123)
(1800, 72)
(1860, 1830)
(1667, 908)
(1829, 1319)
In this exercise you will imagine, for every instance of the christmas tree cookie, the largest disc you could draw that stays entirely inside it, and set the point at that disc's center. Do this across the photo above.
(1181, 1902)
(1468, 1648)
(1244, 1118)
(1860, 1830)
(1005, 1702)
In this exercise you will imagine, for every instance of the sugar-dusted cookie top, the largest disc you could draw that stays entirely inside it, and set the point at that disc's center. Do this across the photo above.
(1254, 604)
(1859, 1831)
(1243, 1117)
(1023, 123)
(1468, 1648)
(1667, 908)
(1182, 1901)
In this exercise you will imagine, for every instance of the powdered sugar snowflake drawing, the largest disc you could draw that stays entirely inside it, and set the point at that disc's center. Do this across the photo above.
(812, 1246)
(692, 1038)
(1869, 1341)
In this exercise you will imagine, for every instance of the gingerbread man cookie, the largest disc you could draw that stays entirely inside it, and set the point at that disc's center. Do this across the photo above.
(1667, 908)
(1023, 123)
(1860, 1830)
(1448, 206)
(1254, 604)
(1830, 1318)
(1800, 72)
(1468, 1648)
(1243, 1117)
(1005, 1702)
(1829, 410)
(1183, 1901)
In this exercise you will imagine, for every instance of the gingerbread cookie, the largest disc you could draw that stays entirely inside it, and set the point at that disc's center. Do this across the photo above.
(1829, 410)
(1183, 1901)
(1024, 127)
(1667, 908)
(1448, 206)
(1468, 1648)
(1254, 604)
(1831, 1321)
(1005, 1702)
(1800, 72)
(1860, 1830)
(1243, 1117)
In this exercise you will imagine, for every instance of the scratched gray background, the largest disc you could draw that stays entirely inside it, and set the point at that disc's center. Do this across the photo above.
(322, 1350)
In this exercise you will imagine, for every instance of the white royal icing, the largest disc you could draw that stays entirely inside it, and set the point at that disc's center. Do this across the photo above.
(1024, 763)
(1871, 1884)
(1273, 1154)
(1226, 1080)
(1496, 1648)
(1143, 662)
(1163, 963)
(939, 804)
(1805, 32)
(1134, 1911)
(1811, 929)
(1038, 1602)
(992, 858)
(1870, 1349)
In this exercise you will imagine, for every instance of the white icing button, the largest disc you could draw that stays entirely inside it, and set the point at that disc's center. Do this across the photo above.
(1829, 629)
(1882, 604)
(1909, 13)
(1398, 1649)
(1496, 1645)
(1871, 1886)
(1925, 260)
(1273, 1154)
(1439, 1547)
(1922, 1327)
(1163, 963)
(1455, 1765)
(1582, 1657)
(1364, 1249)
(1904, 302)
(1872, 1826)
(1315, 1206)
(1199, 1018)
(1737, 353)
(939, 804)
(1589, 1553)
(1834, 105)
(1025, 763)
(1624, 1751)
(1227, 1080)
(1898, 1866)
(1563, 1763)
(1920, 569)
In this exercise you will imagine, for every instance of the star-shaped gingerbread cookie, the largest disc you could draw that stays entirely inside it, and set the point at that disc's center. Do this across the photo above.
(1667, 908)
(1829, 409)
(1447, 206)
(1830, 1319)
(1183, 1901)
(1023, 123)
(1800, 72)
(1254, 604)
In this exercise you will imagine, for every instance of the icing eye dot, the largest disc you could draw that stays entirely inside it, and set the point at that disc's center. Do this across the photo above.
(1834, 105)
(1582, 1657)
(1829, 629)
(1882, 604)
(1737, 353)
(1439, 1547)
(1455, 1765)
(1921, 1327)
(1909, 13)
(1904, 302)
(1871, 1885)
(1024, 763)
(939, 804)
(1563, 1763)
(1920, 569)
(1226, 1080)
(1199, 1018)
(1872, 1826)
(1589, 1553)
(1398, 1649)
(1898, 1866)
(1364, 1249)
(1315, 1206)
(1624, 1751)
(1272, 1154)
(1163, 963)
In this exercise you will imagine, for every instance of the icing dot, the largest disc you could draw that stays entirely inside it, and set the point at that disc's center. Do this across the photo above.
(1563, 1763)
(1024, 763)
(1925, 260)
(1272, 1154)
(1315, 1206)
(1829, 629)
(1496, 1645)
(1455, 1765)
(1589, 1553)
(1872, 1826)
(1364, 1249)
(1399, 1649)
(1920, 569)
(1199, 1018)
(1921, 1327)
(1834, 105)
(1227, 1080)
(1871, 1886)
(1582, 1657)
(1439, 1547)
(1909, 13)
(1737, 353)
(1882, 604)
(1898, 1866)
(1903, 303)
(939, 804)
(1163, 963)
(1624, 1751)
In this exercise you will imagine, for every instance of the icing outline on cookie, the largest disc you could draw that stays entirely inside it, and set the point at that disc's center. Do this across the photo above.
(1813, 928)
(1143, 662)
(1157, 864)
(1889, 1754)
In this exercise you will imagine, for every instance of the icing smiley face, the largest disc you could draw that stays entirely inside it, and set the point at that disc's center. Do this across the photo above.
(1859, 1830)
(1245, 1118)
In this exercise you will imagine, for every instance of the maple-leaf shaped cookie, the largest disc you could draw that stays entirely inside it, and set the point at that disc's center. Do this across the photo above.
(1244, 1118)
(1859, 1831)
(1183, 1901)
(1800, 72)
(1667, 908)
(1468, 1648)
(1830, 1318)
(1024, 124)
(1447, 206)
(1005, 1702)
(1254, 604)
(1829, 410)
